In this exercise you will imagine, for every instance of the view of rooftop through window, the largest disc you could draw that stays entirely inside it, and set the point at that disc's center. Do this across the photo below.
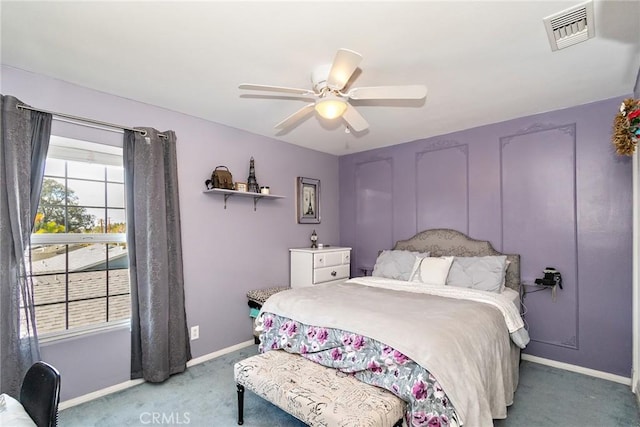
(79, 261)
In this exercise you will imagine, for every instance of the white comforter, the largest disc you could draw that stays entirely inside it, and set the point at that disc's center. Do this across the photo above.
(502, 302)
(464, 344)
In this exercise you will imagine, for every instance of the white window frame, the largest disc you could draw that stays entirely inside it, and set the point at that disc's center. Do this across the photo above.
(70, 238)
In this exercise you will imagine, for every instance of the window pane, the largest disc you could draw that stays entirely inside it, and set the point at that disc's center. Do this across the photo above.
(119, 307)
(115, 195)
(54, 167)
(98, 220)
(58, 210)
(93, 257)
(86, 193)
(87, 285)
(48, 259)
(49, 288)
(112, 222)
(118, 282)
(116, 220)
(118, 258)
(115, 174)
(84, 313)
(85, 170)
(51, 207)
(50, 318)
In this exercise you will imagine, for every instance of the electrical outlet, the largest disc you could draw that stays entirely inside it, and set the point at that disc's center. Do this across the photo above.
(195, 332)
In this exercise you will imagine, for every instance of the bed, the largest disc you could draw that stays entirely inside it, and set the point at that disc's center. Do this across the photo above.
(449, 347)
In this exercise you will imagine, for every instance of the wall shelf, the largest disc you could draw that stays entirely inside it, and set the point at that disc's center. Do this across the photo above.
(229, 193)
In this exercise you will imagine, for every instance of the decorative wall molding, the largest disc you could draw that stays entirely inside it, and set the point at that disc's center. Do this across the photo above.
(356, 255)
(569, 129)
(374, 159)
(571, 342)
(442, 145)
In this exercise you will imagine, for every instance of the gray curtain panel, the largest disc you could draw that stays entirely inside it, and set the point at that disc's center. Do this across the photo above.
(24, 140)
(159, 340)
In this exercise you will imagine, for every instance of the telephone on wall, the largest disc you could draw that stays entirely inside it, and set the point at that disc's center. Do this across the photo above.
(552, 277)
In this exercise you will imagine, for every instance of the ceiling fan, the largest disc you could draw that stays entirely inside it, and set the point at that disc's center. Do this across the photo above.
(330, 101)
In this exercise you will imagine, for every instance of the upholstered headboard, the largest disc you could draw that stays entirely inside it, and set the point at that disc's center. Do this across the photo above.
(446, 242)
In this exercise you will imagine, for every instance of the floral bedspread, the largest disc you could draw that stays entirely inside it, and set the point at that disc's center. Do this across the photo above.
(369, 361)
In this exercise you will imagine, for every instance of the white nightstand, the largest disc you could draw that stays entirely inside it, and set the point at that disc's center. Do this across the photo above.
(311, 267)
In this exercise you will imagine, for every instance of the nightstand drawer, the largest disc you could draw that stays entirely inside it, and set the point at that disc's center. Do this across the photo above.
(330, 258)
(328, 274)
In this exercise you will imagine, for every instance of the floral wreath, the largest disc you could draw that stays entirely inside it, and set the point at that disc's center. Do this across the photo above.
(626, 127)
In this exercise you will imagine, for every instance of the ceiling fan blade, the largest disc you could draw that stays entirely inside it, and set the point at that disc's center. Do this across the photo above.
(344, 64)
(298, 115)
(354, 119)
(249, 86)
(388, 92)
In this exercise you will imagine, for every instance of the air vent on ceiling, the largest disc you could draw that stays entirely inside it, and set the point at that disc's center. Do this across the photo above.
(571, 26)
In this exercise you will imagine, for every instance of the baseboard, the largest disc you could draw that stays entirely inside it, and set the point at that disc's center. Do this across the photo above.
(219, 353)
(97, 394)
(127, 384)
(578, 369)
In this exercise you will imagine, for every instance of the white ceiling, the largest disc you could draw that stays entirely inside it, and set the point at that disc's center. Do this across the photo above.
(483, 62)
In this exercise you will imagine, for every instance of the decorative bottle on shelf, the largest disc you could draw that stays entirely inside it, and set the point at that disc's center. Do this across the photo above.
(252, 182)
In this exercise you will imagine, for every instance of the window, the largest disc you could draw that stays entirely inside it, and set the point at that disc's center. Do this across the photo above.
(78, 255)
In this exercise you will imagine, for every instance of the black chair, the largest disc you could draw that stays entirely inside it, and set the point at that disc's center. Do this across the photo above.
(40, 394)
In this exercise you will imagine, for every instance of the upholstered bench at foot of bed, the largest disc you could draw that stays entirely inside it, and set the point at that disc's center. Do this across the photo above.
(317, 395)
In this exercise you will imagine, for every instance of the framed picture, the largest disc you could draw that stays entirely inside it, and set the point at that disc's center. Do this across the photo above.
(241, 186)
(308, 200)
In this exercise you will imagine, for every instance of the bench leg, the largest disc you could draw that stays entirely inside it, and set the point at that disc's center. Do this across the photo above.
(240, 404)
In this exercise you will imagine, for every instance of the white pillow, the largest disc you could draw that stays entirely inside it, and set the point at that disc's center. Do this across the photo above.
(432, 270)
(397, 265)
(486, 273)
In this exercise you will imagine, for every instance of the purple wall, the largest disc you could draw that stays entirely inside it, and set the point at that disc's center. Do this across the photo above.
(548, 187)
(226, 252)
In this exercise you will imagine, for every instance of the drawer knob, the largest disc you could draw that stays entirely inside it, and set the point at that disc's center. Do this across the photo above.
(333, 273)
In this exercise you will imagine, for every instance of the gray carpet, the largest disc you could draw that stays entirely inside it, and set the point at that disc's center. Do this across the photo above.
(205, 395)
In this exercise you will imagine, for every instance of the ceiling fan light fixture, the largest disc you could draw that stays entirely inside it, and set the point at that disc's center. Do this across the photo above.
(331, 107)
(329, 81)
